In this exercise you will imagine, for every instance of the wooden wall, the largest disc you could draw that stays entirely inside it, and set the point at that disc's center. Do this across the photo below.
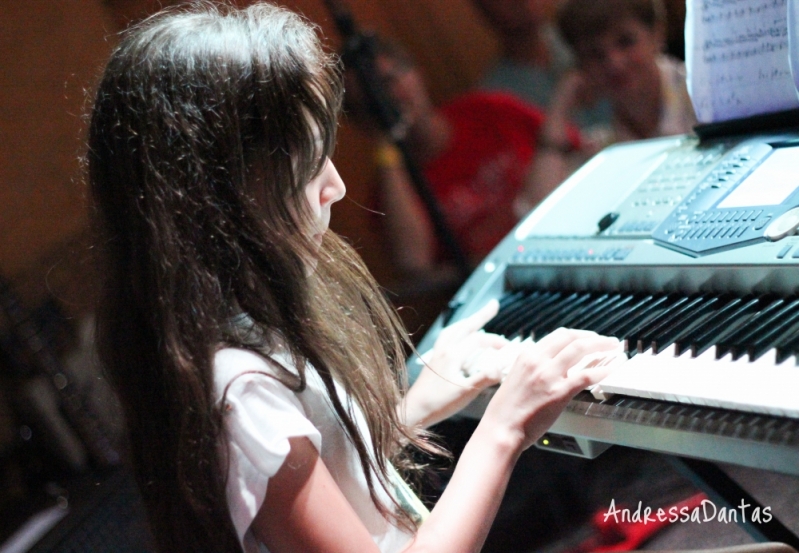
(50, 54)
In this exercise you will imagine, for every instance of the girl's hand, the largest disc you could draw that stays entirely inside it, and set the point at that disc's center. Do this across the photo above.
(540, 384)
(574, 91)
(464, 361)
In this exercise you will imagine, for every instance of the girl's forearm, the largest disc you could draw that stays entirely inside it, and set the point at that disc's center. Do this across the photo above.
(463, 516)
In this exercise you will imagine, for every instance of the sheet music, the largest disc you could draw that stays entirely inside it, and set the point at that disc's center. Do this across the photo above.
(793, 40)
(738, 58)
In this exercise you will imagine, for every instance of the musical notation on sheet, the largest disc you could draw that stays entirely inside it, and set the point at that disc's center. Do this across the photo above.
(738, 58)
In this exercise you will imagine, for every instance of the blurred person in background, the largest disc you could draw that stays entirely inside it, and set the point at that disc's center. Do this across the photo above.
(619, 47)
(620, 50)
(533, 57)
(475, 152)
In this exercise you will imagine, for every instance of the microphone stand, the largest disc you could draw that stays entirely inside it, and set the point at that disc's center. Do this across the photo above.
(359, 50)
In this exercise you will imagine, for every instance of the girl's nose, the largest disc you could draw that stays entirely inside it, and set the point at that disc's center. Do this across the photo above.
(334, 188)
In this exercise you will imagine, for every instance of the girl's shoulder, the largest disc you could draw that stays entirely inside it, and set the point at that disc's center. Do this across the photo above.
(231, 362)
(235, 368)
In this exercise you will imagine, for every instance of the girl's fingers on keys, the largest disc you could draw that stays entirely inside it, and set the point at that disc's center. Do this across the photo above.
(493, 364)
(610, 358)
(573, 353)
(554, 342)
(588, 377)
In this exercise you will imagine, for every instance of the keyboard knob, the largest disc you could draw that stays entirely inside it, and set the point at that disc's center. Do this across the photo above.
(783, 226)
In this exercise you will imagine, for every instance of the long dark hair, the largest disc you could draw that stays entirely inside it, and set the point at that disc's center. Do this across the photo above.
(207, 125)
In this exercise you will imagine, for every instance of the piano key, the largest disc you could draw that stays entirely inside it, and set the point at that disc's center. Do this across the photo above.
(787, 350)
(696, 381)
(549, 312)
(655, 322)
(784, 325)
(686, 325)
(613, 320)
(557, 318)
(675, 319)
(665, 336)
(573, 318)
(766, 359)
(508, 303)
(597, 308)
(616, 304)
(508, 299)
(705, 325)
(502, 322)
(737, 339)
(541, 310)
(764, 321)
(508, 323)
(724, 325)
(637, 323)
(640, 315)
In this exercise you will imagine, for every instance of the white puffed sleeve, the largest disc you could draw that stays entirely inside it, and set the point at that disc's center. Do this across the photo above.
(261, 414)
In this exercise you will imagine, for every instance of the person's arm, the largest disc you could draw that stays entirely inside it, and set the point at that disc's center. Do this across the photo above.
(555, 156)
(463, 362)
(526, 404)
(305, 511)
(408, 227)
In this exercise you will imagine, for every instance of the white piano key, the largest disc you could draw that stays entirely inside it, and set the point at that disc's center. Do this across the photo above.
(738, 385)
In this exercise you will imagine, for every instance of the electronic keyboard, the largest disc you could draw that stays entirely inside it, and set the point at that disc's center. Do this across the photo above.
(685, 250)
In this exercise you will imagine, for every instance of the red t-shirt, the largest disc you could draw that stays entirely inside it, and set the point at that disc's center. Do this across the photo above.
(484, 167)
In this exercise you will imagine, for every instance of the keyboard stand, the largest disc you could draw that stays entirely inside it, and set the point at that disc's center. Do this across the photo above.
(726, 492)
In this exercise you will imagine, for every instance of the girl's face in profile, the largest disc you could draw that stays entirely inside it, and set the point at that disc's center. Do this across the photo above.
(321, 193)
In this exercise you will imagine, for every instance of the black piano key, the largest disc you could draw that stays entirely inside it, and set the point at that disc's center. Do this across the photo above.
(664, 314)
(762, 325)
(633, 328)
(684, 323)
(592, 321)
(736, 342)
(786, 338)
(621, 315)
(788, 348)
(508, 323)
(665, 322)
(743, 326)
(509, 304)
(581, 311)
(784, 326)
(611, 308)
(545, 312)
(531, 313)
(516, 315)
(722, 325)
(555, 319)
(509, 299)
(592, 309)
(715, 318)
(623, 326)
